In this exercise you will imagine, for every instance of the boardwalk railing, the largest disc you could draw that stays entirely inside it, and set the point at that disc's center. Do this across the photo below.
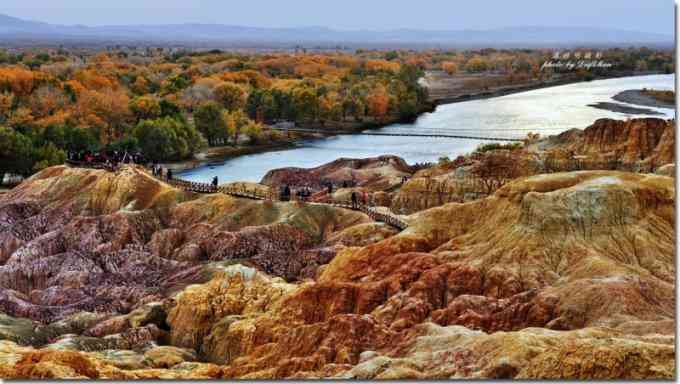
(244, 193)
(192, 186)
(374, 214)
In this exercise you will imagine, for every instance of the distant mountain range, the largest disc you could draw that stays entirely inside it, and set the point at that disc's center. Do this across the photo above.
(14, 29)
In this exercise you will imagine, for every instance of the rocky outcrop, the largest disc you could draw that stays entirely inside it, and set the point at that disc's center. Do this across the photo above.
(628, 141)
(376, 173)
(533, 353)
(458, 266)
(565, 275)
(89, 240)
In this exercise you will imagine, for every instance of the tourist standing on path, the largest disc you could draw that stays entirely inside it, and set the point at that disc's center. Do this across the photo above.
(286, 193)
(169, 174)
(354, 200)
(214, 182)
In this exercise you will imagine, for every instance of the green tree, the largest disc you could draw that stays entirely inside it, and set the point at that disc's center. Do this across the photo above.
(268, 105)
(168, 108)
(210, 122)
(175, 83)
(306, 103)
(253, 130)
(15, 153)
(78, 139)
(47, 156)
(145, 107)
(167, 139)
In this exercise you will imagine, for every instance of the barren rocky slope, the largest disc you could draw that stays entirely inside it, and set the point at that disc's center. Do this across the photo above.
(646, 145)
(628, 141)
(567, 275)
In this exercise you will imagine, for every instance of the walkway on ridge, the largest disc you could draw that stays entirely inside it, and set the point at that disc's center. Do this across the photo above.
(191, 186)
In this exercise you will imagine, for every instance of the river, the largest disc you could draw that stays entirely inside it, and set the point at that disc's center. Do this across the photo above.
(546, 111)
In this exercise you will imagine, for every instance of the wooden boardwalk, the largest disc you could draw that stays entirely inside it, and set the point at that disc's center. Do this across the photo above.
(245, 193)
(191, 186)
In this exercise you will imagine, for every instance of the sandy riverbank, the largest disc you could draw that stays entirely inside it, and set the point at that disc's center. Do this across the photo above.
(635, 96)
(450, 89)
(621, 108)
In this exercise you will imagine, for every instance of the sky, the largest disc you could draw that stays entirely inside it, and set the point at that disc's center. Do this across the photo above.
(636, 15)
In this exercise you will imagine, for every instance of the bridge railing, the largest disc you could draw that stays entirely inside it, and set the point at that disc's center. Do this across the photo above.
(191, 186)
(244, 192)
(374, 214)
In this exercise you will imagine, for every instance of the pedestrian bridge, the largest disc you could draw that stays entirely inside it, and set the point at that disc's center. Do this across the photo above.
(433, 134)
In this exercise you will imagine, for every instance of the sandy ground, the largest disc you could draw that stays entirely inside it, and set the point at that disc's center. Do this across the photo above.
(635, 96)
(621, 108)
(444, 88)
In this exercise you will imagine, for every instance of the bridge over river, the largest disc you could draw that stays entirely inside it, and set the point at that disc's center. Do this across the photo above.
(369, 133)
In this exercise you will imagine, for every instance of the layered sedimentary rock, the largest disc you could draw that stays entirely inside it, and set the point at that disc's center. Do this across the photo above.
(374, 173)
(628, 141)
(565, 275)
(89, 240)
(599, 259)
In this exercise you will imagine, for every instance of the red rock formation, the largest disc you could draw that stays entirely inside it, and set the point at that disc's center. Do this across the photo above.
(379, 172)
(511, 286)
(629, 141)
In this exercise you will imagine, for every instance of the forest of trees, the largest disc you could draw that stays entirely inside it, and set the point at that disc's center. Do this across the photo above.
(170, 104)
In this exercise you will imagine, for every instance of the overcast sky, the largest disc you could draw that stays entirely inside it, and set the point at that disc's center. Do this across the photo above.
(638, 15)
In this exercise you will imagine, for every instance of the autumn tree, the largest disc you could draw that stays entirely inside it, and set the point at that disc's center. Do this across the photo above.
(19, 81)
(450, 67)
(352, 106)
(476, 64)
(47, 100)
(378, 103)
(145, 107)
(141, 85)
(195, 95)
(230, 95)
(330, 107)
(6, 105)
(495, 169)
(306, 103)
(106, 109)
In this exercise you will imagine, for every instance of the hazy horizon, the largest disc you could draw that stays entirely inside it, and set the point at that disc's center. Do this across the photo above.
(650, 16)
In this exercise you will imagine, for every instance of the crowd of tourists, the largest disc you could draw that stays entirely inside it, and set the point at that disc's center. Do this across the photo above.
(109, 158)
